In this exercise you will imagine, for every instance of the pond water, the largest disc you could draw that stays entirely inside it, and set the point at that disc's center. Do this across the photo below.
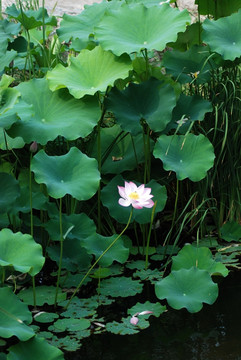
(212, 334)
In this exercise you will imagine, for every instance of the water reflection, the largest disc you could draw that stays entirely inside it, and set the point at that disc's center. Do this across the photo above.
(212, 334)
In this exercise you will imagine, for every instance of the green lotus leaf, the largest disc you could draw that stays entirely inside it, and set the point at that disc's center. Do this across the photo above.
(45, 317)
(223, 37)
(48, 119)
(6, 58)
(187, 288)
(82, 25)
(70, 280)
(200, 257)
(219, 8)
(156, 308)
(189, 66)
(9, 191)
(73, 173)
(7, 31)
(31, 18)
(14, 316)
(110, 197)
(151, 101)
(231, 231)
(134, 27)
(75, 256)
(71, 324)
(97, 244)
(190, 156)
(8, 143)
(89, 72)
(120, 286)
(41, 349)
(21, 252)
(67, 343)
(188, 109)
(44, 295)
(151, 275)
(9, 96)
(125, 327)
(120, 151)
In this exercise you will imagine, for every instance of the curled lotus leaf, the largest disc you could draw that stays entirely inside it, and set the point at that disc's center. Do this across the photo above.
(89, 72)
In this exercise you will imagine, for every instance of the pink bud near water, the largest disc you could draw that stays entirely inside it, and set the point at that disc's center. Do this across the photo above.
(33, 147)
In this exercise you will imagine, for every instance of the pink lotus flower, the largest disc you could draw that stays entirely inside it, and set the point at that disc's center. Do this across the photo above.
(134, 319)
(138, 197)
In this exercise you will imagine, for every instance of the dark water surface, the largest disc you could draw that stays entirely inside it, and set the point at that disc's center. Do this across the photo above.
(212, 334)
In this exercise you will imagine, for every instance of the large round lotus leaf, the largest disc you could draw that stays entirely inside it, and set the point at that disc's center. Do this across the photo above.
(188, 66)
(82, 25)
(89, 72)
(223, 35)
(200, 257)
(97, 244)
(190, 108)
(14, 315)
(73, 173)
(31, 18)
(9, 191)
(120, 286)
(54, 113)
(190, 156)
(110, 197)
(41, 349)
(21, 252)
(120, 151)
(217, 8)
(187, 288)
(150, 28)
(151, 101)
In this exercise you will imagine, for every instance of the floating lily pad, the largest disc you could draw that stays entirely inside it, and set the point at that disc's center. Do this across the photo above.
(150, 28)
(44, 295)
(125, 327)
(72, 325)
(45, 317)
(89, 72)
(223, 36)
(187, 288)
(66, 343)
(156, 308)
(38, 346)
(190, 156)
(74, 173)
(21, 252)
(120, 286)
(200, 257)
(48, 118)
(14, 316)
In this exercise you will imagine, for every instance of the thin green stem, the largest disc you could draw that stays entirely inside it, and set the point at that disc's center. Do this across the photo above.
(99, 258)
(149, 234)
(61, 250)
(31, 223)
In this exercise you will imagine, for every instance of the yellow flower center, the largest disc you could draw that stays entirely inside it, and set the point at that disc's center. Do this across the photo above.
(134, 196)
